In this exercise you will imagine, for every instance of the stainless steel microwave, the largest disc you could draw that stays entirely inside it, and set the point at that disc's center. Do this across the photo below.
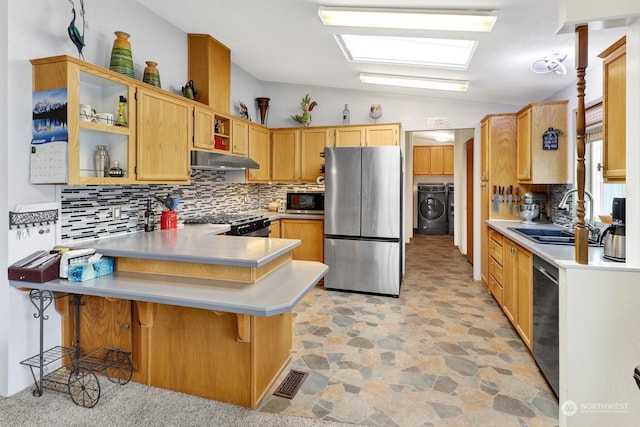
(305, 202)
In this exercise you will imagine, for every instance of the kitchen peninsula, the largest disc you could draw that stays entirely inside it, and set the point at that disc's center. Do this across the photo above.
(201, 313)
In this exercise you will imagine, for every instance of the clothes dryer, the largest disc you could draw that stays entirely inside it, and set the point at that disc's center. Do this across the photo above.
(450, 207)
(432, 209)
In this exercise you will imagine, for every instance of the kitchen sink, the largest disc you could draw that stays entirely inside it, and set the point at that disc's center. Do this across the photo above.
(549, 236)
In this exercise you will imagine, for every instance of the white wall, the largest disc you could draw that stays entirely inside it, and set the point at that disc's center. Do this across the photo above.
(36, 29)
(599, 347)
(4, 181)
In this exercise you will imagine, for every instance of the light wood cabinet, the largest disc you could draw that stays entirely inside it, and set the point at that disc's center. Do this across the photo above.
(485, 137)
(614, 106)
(367, 135)
(312, 144)
(164, 133)
(102, 323)
(517, 286)
(284, 155)
(382, 135)
(260, 151)
(209, 66)
(499, 147)
(422, 160)
(536, 165)
(350, 136)
(203, 128)
(496, 259)
(447, 159)
(275, 229)
(154, 145)
(484, 234)
(433, 160)
(524, 293)
(509, 301)
(310, 232)
(240, 137)
(69, 82)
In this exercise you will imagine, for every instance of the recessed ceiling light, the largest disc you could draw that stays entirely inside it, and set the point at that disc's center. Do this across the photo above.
(420, 51)
(415, 82)
(414, 19)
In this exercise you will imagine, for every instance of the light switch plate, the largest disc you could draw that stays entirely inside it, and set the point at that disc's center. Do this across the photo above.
(116, 212)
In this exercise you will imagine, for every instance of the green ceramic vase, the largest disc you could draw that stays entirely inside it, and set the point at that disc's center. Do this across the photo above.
(121, 59)
(151, 74)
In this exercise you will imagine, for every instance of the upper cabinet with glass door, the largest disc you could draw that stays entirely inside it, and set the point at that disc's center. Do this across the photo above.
(66, 136)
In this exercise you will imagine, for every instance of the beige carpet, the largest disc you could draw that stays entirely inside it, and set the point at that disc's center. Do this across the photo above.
(137, 405)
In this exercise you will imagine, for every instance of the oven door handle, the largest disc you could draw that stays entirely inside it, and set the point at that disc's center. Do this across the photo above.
(545, 274)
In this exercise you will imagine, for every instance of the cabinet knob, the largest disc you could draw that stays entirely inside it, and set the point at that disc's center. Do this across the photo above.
(126, 326)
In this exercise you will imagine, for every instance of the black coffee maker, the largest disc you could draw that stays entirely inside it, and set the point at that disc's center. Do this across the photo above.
(613, 237)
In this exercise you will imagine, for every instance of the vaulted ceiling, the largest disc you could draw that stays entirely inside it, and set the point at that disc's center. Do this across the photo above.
(284, 41)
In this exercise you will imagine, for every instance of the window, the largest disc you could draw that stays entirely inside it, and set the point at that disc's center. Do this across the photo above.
(603, 193)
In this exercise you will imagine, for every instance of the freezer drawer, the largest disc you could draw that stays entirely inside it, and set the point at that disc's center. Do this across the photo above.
(362, 266)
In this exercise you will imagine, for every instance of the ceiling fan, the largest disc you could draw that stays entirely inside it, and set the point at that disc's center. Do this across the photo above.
(551, 63)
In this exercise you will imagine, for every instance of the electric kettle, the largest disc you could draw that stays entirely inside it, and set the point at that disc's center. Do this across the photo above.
(614, 242)
(614, 235)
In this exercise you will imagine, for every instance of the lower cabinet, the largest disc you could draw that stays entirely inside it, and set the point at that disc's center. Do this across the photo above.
(524, 301)
(310, 232)
(104, 322)
(275, 229)
(511, 283)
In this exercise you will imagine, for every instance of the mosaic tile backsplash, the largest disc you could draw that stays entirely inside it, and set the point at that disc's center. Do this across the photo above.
(87, 211)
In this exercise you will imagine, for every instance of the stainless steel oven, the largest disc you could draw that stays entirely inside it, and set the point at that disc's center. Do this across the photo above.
(305, 202)
(241, 224)
(546, 351)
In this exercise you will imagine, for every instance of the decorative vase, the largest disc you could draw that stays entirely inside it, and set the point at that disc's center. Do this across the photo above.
(263, 108)
(151, 74)
(121, 59)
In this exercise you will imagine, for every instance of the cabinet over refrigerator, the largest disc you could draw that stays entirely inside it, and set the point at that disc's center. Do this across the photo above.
(363, 219)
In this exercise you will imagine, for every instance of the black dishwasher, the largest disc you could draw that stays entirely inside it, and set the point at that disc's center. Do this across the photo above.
(545, 320)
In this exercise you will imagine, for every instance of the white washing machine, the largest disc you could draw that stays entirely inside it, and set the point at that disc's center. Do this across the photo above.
(432, 209)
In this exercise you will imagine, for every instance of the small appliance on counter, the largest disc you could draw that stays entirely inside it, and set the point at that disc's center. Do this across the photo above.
(532, 206)
(613, 237)
(305, 202)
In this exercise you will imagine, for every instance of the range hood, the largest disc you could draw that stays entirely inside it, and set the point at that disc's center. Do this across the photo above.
(218, 161)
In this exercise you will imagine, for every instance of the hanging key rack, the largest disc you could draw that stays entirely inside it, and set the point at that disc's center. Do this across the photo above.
(32, 219)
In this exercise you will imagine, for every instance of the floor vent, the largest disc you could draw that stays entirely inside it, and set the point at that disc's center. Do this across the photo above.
(291, 384)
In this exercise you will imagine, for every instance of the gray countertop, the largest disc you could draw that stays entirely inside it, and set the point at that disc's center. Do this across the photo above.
(194, 243)
(559, 255)
(276, 293)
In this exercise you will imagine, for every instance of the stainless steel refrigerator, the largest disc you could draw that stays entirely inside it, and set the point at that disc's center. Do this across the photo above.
(363, 219)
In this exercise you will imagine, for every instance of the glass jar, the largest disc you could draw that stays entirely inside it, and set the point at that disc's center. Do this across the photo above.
(101, 161)
(116, 171)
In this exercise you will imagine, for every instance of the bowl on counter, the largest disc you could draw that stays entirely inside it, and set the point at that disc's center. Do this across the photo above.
(528, 212)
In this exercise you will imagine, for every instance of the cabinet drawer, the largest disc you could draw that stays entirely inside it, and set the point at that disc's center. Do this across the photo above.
(495, 251)
(496, 289)
(495, 270)
(495, 236)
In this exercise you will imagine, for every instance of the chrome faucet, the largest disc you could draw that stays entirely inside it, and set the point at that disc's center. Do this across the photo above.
(590, 225)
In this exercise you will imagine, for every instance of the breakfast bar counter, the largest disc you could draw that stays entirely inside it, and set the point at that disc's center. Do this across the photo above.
(200, 313)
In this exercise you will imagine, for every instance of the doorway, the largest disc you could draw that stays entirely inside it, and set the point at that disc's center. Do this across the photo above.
(438, 156)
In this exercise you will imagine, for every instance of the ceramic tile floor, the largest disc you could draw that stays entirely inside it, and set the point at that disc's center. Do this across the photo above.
(442, 354)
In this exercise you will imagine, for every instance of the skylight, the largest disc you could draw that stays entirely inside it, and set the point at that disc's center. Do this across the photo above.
(418, 51)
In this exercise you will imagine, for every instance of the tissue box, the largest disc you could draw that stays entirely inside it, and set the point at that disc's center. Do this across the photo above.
(87, 271)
